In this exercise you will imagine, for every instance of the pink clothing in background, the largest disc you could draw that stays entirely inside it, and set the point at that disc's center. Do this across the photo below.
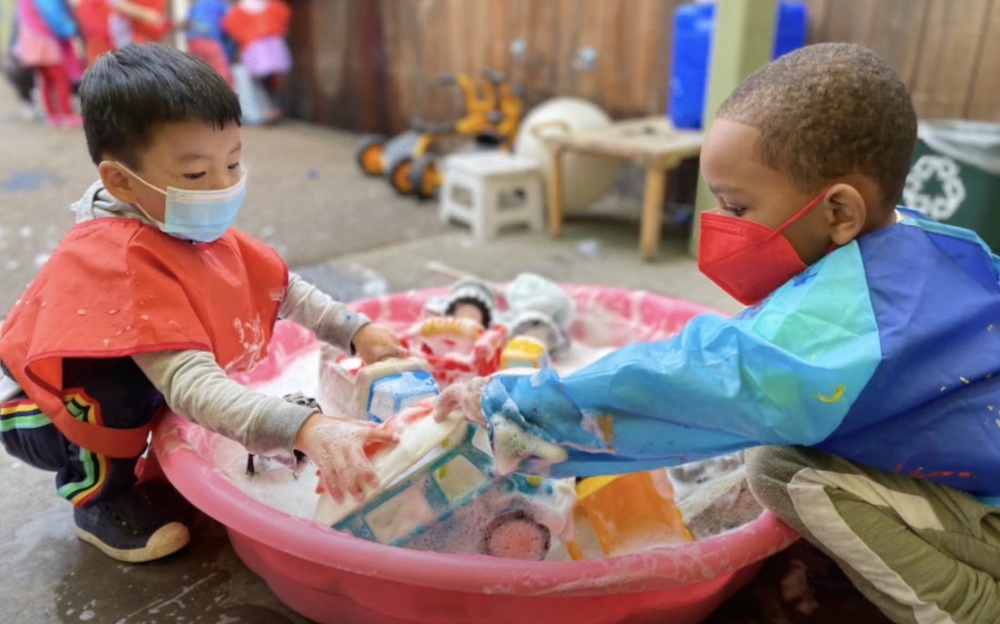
(71, 62)
(211, 51)
(54, 60)
(36, 45)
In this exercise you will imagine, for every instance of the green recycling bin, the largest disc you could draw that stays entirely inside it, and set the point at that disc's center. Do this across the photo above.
(955, 176)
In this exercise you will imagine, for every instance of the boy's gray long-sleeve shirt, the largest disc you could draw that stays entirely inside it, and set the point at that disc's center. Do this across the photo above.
(195, 386)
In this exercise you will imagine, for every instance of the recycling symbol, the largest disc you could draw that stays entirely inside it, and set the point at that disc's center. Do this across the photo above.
(931, 171)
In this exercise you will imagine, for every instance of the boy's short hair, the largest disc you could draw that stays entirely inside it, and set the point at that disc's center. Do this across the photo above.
(828, 110)
(126, 93)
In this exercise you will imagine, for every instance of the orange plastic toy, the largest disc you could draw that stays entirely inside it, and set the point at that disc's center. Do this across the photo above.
(628, 513)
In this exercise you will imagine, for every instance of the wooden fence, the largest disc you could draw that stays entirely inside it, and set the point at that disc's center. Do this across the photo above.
(947, 51)
(371, 65)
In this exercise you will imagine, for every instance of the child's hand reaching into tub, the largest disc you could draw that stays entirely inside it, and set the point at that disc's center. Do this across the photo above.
(463, 397)
(337, 447)
(375, 343)
(512, 443)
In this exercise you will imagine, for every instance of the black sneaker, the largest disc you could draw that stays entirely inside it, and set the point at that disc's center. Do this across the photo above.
(129, 528)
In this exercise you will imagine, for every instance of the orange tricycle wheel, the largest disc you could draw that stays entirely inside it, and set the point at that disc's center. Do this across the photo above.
(424, 178)
(369, 155)
(399, 173)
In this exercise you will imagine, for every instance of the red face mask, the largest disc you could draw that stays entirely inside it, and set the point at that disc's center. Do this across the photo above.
(746, 259)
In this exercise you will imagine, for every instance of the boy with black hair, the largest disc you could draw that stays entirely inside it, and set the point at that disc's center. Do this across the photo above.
(862, 376)
(153, 297)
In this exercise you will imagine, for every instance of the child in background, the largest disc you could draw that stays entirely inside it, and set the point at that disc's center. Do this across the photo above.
(73, 63)
(205, 37)
(259, 28)
(137, 21)
(869, 359)
(94, 17)
(152, 298)
(44, 40)
(21, 78)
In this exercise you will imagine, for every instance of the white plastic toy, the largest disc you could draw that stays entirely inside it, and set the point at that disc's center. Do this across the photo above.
(374, 392)
(439, 490)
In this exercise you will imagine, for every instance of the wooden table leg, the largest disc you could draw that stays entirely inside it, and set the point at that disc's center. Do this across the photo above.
(652, 211)
(555, 192)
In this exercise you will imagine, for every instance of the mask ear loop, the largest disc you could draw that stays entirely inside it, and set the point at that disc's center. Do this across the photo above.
(140, 178)
(139, 207)
(136, 204)
(798, 215)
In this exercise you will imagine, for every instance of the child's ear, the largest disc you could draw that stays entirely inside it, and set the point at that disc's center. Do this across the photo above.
(846, 213)
(117, 182)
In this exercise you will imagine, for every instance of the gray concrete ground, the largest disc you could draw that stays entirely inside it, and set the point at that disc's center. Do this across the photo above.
(351, 235)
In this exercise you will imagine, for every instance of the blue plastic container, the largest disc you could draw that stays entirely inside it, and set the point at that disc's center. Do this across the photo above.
(693, 27)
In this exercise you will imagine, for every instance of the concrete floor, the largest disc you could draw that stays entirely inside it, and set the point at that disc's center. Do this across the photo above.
(350, 235)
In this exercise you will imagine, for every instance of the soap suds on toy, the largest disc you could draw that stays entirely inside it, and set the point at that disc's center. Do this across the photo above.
(709, 506)
(512, 444)
(497, 509)
(713, 495)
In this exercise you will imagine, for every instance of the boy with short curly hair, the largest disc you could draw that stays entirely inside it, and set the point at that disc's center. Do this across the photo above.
(863, 376)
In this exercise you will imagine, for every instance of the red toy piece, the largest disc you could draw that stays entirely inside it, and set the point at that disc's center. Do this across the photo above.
(456, 348)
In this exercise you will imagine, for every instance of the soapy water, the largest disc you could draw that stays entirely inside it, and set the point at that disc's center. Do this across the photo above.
(486, 516)
(712, 494)
(274, 484)
(330, 577)
(514, 444)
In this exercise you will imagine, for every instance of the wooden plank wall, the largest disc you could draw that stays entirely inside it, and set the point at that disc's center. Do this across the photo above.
(371, 65)
(947, 51)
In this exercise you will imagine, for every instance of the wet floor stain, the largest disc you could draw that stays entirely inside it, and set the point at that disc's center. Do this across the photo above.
(29, 180)
(203, 584)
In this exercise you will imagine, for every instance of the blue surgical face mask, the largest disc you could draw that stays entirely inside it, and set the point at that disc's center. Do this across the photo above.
(198, 216)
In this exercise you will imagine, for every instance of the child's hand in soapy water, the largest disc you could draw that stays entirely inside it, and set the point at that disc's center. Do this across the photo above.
(337, 447)
(463, 397)
(374, 344)
(511, 442)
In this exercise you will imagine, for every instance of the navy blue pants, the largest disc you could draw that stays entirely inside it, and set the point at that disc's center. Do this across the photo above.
(111, 392)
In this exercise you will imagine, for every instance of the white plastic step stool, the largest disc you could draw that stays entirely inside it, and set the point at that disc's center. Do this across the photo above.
(492, 190)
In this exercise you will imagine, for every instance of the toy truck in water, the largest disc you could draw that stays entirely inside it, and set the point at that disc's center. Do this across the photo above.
(443, 350)
(373, 392)
(440, 491)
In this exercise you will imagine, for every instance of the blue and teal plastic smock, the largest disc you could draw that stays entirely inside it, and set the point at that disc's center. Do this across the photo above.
(886, 352)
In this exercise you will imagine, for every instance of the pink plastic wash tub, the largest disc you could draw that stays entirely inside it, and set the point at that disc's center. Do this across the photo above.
(330, 577)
